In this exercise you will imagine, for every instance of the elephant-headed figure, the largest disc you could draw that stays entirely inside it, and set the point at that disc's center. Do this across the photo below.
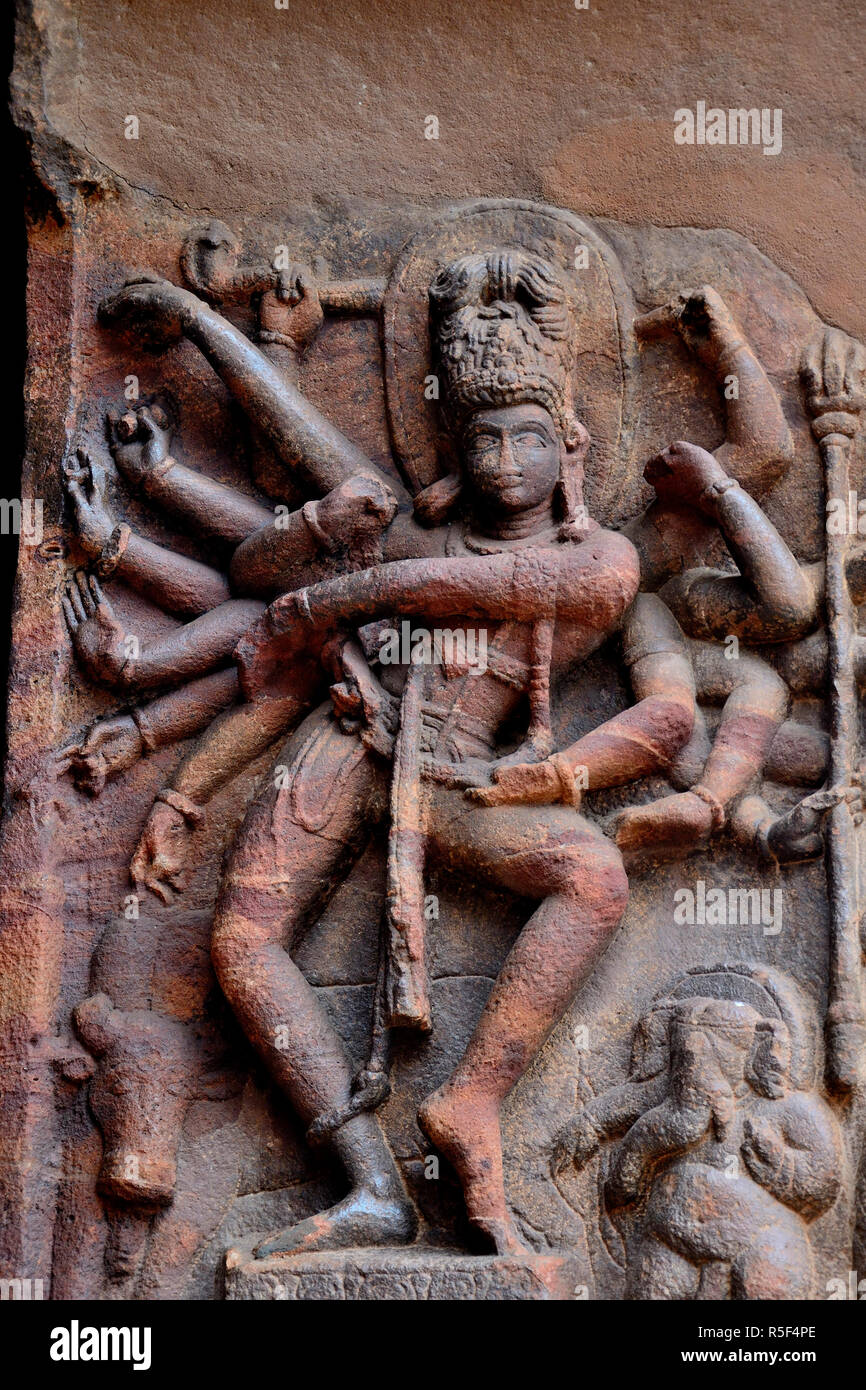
(724, 1151)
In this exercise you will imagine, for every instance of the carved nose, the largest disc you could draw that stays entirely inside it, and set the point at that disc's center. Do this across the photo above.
(506, 453)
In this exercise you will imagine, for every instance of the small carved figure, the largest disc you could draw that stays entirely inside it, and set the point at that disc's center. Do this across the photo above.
(724, 1150)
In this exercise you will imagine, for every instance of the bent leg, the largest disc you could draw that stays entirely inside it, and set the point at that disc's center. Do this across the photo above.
(547, 852)
(755, 704)
(298, 841)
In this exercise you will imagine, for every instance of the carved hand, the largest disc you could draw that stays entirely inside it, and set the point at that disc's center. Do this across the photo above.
(111, 746)
(84, 480)
(163, 310)
(293, 309)
(529, 784)
(140, 441)
(798, 834)
(161, 854)
(701, 318)
(762, 1149)
(356, 510)
(626, 1177)
(577, 1144)
(97, 636)
(684, 474)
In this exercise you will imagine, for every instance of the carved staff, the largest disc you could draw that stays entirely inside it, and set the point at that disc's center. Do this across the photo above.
(833, 372)
(407, 991)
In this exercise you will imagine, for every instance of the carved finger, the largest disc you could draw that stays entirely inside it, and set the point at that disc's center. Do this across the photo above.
(74, 597)
(98, 596)
(146, 423)
(72, 482)
(65, 756)
(84, 591)
(103, 602)
(69, 613)
(138, 865)
(95, 477)
(75, 467)
(159, 889)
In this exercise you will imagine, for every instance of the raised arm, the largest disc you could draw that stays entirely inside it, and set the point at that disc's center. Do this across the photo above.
(140, 442)
(773, 598)
(304, 440)
(176, 583)
(758, 447)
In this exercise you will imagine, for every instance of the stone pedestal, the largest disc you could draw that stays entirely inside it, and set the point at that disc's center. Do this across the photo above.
(408, 1273)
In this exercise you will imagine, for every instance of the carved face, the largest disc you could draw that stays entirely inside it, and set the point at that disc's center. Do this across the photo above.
(511, 457)
(717, 1029)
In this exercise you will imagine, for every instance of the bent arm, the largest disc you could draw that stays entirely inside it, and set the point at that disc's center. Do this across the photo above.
(182, 713)
(646, 737)
(304, 440)
(616, 1110)
(758, 448)
(591, 584)
(772, 599)
(283, 556)
(192, 650)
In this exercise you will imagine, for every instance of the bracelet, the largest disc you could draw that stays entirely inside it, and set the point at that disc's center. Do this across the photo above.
(323, 540)
(140, 720)
(192, 814)
(113, 551)
(718, 489)
(762, 841)
(158, 471)
(713, 802)
(270, 335)
(567, 782)
(302, 605)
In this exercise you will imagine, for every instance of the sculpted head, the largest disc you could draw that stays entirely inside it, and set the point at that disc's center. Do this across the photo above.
(503, 336)
(717, 1030)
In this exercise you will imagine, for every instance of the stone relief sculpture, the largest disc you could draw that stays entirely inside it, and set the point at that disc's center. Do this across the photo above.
(726, 1150)
(515, 544)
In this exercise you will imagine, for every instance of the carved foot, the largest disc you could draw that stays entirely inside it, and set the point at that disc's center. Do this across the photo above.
(362, 1219)
(466, 1131)
(674, 824)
